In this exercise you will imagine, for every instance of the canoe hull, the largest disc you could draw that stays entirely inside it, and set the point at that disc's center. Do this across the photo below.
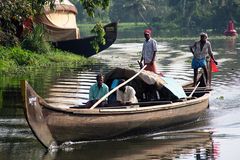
(104, 126)
(84, 47)
(53, 126)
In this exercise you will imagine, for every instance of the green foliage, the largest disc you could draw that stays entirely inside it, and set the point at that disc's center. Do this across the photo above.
(91, 5)
(21, 57)
(220, 98)
(12, 13)
(8, 39)
(35, 41)
(15, 60)
(100, 33)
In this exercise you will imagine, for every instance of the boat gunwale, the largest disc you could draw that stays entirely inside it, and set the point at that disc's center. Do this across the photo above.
(112, 111)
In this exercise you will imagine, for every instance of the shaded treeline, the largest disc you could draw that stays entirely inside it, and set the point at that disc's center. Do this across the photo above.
(178, 17)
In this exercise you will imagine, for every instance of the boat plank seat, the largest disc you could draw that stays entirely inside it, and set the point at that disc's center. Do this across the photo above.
(196, 92)
(198, 89)
(141, 104)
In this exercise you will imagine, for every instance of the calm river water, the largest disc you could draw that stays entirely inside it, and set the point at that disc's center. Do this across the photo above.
(216, 135)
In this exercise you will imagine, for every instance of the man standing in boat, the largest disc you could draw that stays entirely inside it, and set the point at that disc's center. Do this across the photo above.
(97, 91)
(200, 50)
(149, 52)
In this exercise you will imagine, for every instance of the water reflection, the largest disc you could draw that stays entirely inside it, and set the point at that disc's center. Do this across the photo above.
(231, 46)
(174, 146)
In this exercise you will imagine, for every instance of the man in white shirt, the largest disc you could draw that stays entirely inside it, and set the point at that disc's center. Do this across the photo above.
(126, 94)
(149, 52)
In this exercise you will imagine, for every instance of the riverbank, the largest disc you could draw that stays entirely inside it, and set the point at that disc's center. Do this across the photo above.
(133, 32)
(15, 60)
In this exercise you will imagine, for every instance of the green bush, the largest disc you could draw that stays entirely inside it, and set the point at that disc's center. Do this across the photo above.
(21, 57)
(14, 61)
(35, 41)
(8, 39)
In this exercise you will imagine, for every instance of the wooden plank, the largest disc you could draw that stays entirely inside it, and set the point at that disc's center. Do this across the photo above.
(197, 92)
(199, 88)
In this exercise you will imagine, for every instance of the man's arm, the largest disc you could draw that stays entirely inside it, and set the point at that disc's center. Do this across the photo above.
(154, 51)
(142, 54)
(191, 48)
(154, 55)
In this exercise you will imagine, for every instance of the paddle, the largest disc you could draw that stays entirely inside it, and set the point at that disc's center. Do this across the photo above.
(119, 86)
(193, 90)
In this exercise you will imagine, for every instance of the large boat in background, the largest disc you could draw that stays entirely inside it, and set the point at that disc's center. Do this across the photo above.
(61, 28)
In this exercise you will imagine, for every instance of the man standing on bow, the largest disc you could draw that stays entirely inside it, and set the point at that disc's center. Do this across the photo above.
(149, 52)
(200, 50)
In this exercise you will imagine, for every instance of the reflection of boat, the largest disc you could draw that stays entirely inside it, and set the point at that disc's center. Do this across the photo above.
(168, 146)
(230, 30)
(62, 30)
(54, 125)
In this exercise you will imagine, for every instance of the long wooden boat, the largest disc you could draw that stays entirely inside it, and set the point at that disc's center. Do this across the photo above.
(83, 46)
(54, 125)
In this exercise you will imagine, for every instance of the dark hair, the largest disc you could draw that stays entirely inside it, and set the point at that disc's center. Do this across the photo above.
(121, 81)
(124, 86)
(99, 75)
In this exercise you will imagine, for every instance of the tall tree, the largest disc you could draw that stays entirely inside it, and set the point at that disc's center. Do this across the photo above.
(139, 8)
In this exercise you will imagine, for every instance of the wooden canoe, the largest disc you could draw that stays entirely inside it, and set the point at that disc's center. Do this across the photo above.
(54, 126)
(83, 46)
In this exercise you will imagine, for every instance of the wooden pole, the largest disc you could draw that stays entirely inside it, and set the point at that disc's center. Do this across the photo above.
(193, 90)
(119, 86)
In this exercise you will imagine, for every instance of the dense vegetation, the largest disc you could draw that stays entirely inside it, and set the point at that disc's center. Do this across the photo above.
(176, 17)
(14, 13)
(20, 48)
(16, 60)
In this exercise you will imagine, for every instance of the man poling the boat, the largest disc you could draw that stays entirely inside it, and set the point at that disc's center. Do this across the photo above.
(149, 52)
(200, 50)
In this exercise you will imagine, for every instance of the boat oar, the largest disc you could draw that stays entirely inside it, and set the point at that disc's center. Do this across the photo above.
(193, 90)
(119, 86)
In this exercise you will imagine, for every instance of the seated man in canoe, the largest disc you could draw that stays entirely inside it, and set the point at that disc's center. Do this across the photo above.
(126, 95)
(97, 91)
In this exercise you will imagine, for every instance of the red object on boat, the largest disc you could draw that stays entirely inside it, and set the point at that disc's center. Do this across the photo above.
(213, 66)
(230, 30)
